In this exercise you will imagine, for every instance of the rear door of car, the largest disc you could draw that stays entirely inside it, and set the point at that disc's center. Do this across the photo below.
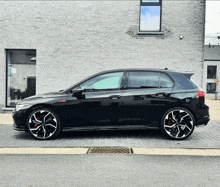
(145, 97)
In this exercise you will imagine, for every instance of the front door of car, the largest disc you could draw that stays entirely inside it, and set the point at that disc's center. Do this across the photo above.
(98, 104)
(145, 98)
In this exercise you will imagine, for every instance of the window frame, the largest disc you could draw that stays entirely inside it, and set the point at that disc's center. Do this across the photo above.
(150, 4)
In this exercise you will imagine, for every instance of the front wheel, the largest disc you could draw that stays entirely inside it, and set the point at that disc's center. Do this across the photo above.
(178, 123)
(43, 124)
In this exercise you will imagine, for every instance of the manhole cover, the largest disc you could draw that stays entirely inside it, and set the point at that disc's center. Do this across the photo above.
(110, 150)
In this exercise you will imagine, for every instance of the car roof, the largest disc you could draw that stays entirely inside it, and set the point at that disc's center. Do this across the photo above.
(140, 69)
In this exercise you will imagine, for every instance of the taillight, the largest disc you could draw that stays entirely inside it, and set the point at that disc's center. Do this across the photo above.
(201, 94)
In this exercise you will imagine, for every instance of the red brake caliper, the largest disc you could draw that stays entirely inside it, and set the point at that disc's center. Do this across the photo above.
(35, 125)
(169, 122)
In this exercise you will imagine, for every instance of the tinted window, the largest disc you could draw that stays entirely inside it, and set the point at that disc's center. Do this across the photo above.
(183, 82)
(211, 87)
(211, 72)
(106, 81)
(165, 81)
(143, 80)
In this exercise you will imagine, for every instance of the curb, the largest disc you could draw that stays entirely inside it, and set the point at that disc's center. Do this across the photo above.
(6, 119)
(135, 151)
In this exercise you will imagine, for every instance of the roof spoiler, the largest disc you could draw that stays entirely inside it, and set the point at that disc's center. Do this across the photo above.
(188, 75)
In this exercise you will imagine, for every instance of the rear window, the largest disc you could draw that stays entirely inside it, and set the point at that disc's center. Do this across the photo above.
(183, 82)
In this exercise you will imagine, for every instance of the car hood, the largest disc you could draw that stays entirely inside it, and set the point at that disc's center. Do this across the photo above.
(45, 95)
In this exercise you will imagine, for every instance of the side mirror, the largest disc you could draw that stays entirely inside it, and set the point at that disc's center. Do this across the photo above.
(78, 93)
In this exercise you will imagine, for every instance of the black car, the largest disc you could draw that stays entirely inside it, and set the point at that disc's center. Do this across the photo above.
(117, 99)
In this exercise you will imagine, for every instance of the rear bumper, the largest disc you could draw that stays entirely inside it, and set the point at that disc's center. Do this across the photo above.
(204, 121)
(202, 116)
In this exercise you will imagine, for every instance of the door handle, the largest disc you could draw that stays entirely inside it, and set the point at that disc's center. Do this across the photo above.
(138, 97)
(114, 97)
(162, 94)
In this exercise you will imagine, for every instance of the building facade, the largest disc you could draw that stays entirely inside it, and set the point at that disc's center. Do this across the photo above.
(50, 45)
(211, 71)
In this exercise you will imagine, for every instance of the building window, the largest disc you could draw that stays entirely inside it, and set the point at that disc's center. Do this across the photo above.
(211, 72)
(150, 16)
(211, 88)
(21, 75)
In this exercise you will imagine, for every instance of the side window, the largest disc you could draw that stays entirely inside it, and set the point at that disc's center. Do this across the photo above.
(103, 82)
(165, 81)
(143, 79)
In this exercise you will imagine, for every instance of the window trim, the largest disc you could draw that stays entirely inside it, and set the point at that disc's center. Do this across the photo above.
(150, 4)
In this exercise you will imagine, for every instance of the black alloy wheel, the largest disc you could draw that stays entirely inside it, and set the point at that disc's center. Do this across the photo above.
(43, 124)
(178, 123)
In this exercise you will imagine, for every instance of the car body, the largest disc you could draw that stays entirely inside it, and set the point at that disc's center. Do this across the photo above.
(117, 99)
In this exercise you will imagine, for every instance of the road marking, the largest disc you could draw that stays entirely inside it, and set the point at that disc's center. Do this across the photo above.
(170, 151)
(136, 151)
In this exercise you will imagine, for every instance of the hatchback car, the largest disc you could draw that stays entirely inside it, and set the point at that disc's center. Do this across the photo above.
(117, 99)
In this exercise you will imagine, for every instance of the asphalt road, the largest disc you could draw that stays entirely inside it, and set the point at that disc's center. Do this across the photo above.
(109, 170)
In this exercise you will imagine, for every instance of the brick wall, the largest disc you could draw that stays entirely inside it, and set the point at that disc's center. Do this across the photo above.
(75, 39)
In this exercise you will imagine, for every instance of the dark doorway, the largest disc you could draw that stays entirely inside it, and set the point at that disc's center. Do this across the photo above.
(31, 86)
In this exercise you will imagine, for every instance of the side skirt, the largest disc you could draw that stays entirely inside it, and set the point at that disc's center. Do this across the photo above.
(99, 128)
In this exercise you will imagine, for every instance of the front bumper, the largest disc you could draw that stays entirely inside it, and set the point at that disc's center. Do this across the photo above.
(19, 118)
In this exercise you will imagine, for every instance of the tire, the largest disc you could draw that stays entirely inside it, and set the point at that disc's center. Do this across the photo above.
(43, 124)
(177, 123)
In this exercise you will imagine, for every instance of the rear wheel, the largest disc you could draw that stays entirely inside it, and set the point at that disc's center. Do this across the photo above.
(43, 124)
(178, 123)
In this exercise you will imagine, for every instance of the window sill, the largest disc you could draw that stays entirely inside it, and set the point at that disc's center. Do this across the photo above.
(150, 33)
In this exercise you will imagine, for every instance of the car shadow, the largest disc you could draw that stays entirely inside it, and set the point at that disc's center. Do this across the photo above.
(74, 135)
(112, 134)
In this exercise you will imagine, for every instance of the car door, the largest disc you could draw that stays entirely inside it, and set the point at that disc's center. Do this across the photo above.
(145, 97)
(100, 100)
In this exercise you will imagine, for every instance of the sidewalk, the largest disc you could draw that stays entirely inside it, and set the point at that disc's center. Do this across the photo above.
(214, 110)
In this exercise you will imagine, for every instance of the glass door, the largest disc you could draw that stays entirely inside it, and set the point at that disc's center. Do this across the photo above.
(21, 75)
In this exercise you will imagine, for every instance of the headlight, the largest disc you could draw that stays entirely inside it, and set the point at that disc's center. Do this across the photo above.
(20, 106)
